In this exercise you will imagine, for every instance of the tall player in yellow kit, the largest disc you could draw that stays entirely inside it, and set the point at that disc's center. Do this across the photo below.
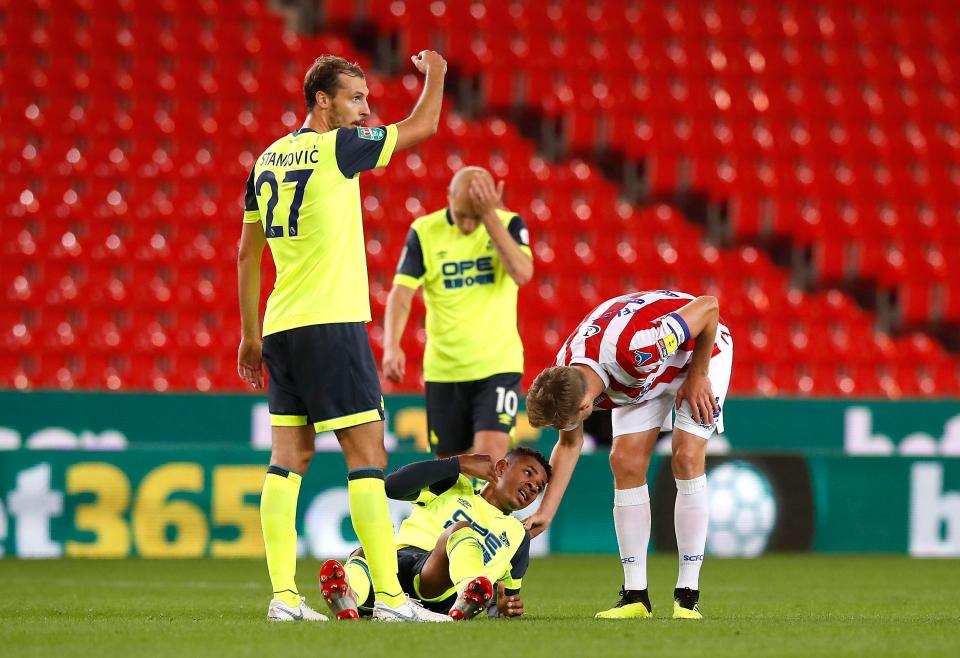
(303, 200)
(471, 258)
(457, 542)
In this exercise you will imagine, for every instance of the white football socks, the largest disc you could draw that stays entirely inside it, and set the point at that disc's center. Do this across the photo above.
(631, 518)
(690, 516)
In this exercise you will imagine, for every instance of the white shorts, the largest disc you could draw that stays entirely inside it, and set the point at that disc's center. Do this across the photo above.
(658, 412)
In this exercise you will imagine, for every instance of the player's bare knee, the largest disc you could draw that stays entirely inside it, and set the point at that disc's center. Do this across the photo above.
(626, 464)
(292, 459)
(687, 462)
(362, 446)
(307, 452)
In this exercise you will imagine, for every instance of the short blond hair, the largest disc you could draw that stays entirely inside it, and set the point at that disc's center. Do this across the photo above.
(555, 396)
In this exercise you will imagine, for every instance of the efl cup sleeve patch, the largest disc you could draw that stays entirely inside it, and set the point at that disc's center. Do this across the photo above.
(362, 149)
(373, 134)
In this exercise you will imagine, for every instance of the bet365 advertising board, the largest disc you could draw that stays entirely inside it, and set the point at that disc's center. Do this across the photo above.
(113, 476)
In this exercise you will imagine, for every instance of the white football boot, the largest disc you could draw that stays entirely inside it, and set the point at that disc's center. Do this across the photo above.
(411, 610)
(280, 611)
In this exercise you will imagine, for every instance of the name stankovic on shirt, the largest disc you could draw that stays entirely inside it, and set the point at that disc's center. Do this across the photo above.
(271, 159)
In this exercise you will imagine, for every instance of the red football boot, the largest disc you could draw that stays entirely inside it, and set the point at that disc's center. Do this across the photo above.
(337, 591)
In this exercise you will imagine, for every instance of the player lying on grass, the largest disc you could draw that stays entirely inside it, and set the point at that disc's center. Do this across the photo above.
(457, 542)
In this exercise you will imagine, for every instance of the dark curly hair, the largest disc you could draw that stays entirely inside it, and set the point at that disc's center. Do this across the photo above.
(524, 451)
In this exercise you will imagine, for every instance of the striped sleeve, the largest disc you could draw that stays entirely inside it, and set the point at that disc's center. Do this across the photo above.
(651, 343)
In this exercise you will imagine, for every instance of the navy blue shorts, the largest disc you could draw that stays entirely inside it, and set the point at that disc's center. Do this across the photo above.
(322, 374)
(458, 410)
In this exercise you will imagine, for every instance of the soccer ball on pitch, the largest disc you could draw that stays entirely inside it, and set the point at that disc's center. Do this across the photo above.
(743, 510)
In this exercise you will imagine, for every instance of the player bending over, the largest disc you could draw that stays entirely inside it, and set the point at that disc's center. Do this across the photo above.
(642, 355)
(456, 543)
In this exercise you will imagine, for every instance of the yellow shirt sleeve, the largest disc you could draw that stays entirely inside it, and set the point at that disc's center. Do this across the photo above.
(407, 281)
(389, 144)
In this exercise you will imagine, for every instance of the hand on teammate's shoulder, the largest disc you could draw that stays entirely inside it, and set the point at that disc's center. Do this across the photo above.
(429, 60)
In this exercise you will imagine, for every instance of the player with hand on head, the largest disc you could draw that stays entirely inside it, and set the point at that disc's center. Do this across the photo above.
(303, 200)
(457, 543)
(644, 355)
(470, 258)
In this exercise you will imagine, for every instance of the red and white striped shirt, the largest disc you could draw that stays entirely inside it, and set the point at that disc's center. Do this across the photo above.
(636, 343)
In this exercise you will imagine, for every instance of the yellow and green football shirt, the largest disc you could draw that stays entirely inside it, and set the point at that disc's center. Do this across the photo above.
(471, 300)
(505, 542)
(305, 191)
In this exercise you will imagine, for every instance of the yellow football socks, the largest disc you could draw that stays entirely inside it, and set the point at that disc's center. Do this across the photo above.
(372, 523)
(358, 575)
(278, 513)
(466, 556)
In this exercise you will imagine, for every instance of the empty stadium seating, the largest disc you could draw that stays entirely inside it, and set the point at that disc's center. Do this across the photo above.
(129, 132)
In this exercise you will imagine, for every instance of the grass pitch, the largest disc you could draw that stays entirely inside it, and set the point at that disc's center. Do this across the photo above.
(773, 606)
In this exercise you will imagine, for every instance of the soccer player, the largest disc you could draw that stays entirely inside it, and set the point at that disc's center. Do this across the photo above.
(470, 258)
(303, 200)
(643, 355)
(456, 543)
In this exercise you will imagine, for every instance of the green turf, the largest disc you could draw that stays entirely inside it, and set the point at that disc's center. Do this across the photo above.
(774, 606)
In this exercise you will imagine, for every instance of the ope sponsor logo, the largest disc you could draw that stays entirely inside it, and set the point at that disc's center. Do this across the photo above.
(458, 274)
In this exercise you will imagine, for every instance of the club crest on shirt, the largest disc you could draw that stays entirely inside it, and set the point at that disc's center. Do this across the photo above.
(641, 357)
(373, 134)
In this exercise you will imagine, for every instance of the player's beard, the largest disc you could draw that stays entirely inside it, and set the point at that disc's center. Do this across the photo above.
(341, 120)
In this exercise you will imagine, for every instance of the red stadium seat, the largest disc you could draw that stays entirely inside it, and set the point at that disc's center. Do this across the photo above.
(838, 147)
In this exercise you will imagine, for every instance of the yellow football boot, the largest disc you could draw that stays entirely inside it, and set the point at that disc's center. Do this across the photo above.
(634, 604)
(686, 604)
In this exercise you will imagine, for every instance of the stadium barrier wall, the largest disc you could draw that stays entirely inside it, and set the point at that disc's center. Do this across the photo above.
(54, 419)
(179, 503)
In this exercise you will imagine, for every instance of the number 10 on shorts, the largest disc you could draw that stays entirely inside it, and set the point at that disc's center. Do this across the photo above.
(507, 401)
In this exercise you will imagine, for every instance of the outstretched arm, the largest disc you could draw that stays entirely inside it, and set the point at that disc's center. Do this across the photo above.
(425, 117)
(563, 460)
